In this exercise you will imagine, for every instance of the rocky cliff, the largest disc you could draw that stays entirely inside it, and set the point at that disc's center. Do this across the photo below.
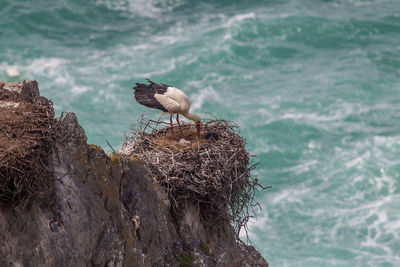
(98, 209)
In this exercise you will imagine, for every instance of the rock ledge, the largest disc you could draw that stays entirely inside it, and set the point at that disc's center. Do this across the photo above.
(106, 210)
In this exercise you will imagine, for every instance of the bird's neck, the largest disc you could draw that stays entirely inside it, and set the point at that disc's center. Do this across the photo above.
(192, 116)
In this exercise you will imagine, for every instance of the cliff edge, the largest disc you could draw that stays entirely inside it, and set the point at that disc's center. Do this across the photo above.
(73, 205)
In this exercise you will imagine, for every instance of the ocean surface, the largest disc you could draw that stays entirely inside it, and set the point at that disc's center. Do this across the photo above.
(313, 85)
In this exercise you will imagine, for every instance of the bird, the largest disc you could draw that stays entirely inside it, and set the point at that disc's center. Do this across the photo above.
(168, 99)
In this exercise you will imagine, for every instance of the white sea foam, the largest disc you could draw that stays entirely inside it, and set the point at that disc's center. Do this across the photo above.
(145, 61)
(55, 72)
(290, 195)
(239, 18)
(160, 71)
(389, 142)
(313, 117)
(52, 67)
(259, 222)
(263, 146)
(379, 227)
(301, 168)
(203, 95)
(358, 160)
(334, 114)
(232, 23)
(142, 8)
(373, 216)
(284, 199)
(79, 89)
(314, 145)
(352, 212)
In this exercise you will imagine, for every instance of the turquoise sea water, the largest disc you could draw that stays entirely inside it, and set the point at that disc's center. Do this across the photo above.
(314, 86)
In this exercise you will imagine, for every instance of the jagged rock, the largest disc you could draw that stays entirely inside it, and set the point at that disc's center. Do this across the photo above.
(26, 88)
(107, 210)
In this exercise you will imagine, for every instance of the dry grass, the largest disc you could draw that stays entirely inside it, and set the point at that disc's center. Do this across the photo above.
(26, 133)
(214, 172)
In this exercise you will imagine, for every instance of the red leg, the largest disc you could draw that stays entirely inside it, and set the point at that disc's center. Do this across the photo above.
(172, 128)
(177, 119)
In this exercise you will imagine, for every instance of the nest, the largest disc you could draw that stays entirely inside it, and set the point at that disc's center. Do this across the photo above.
(214, 172)
(26, 134)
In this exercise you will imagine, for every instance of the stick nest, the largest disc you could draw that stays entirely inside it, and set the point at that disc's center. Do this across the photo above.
(214, 172)
(26, 135)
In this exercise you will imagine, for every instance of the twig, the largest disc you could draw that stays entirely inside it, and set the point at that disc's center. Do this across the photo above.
(110, 146)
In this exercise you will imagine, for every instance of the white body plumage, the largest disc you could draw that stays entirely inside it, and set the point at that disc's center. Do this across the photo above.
(168, 99)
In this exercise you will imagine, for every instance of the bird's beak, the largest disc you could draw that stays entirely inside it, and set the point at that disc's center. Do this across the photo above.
(198, 130)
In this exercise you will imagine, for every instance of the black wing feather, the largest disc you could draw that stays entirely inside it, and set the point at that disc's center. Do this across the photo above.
(144, 94)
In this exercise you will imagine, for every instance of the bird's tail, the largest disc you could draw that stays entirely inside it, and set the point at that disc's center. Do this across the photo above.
(143, 88)
(144, 94)
(151, 82)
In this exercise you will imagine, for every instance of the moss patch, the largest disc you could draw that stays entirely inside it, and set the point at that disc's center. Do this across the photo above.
(185, 259)
(206, 249)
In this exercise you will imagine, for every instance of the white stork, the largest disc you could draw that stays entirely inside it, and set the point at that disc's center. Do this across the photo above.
(167, 99)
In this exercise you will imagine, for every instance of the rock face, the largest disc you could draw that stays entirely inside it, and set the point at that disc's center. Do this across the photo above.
(108, 210)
